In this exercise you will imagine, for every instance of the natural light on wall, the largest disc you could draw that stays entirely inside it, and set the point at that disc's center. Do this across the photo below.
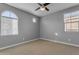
(9, 23)
(71, 21)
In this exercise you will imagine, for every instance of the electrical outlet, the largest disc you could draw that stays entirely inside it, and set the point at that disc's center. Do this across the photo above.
(56, 34)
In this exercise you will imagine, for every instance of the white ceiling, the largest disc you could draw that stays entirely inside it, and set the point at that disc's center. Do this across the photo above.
(30, 7)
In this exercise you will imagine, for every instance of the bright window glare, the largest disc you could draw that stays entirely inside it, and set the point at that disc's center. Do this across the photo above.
(6, 13)
(9, 14)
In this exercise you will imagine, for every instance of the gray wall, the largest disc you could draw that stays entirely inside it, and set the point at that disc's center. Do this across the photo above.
(44, 28)
(27, 29)
(55, 23)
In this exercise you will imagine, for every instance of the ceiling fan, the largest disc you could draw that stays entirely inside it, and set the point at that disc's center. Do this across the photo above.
(43, 7)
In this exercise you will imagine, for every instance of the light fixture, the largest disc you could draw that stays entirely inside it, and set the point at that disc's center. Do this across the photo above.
(34, 20)
(42, 8)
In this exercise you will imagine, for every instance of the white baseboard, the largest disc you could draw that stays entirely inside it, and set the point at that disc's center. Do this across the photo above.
(75, 45)
(13, 45)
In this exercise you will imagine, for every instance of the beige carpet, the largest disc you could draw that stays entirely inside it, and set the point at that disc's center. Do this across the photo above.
(41, 47)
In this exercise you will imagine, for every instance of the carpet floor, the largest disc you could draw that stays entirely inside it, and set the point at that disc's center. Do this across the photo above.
(41, 47)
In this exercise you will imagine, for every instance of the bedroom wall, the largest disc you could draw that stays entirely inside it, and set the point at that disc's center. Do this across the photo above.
(46, 27)
(54, 23)
(27, 29)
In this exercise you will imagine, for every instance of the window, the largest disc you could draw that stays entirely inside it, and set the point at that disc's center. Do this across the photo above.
(9, 23)
(71, 21)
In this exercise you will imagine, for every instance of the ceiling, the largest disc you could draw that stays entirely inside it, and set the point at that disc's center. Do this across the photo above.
(30, 7)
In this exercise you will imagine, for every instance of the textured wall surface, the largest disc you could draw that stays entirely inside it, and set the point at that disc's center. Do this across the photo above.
(46, 27)
(51, 24)
(27, 29)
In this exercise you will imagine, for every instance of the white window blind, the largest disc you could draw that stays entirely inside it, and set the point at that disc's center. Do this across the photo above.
(71, 21)
(9, 23)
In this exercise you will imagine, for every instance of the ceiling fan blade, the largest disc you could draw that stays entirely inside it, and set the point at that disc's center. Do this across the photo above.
(39, 4)
(46, 4)
(46, 9)
(37, 8)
